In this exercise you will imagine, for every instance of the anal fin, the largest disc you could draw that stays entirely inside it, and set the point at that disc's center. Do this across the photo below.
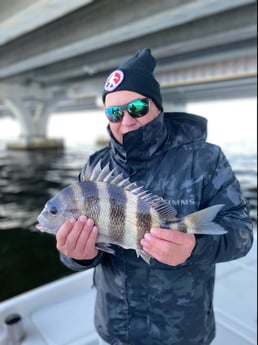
(105, 247)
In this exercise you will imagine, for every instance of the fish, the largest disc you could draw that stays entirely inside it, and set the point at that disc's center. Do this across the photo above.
(122, 211)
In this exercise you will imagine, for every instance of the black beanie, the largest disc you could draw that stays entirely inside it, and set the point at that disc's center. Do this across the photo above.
(136, 74)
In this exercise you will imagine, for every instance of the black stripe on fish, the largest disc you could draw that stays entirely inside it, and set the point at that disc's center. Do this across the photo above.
(143, 216)
(117, 212)
(91, 200)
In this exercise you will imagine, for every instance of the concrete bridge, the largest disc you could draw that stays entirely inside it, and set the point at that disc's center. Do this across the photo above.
(55, 55)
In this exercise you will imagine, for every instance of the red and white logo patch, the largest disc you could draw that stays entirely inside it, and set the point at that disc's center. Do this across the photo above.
(114, 79)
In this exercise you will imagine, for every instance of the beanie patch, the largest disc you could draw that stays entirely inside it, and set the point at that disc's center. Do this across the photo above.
(114, 80)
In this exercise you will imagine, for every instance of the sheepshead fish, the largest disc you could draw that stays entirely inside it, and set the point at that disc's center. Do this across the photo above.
(122, 211)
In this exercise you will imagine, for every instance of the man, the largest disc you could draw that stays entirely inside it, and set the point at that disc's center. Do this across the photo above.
(168, 302)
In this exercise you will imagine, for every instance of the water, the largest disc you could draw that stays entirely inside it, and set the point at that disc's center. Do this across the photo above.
(27, 180)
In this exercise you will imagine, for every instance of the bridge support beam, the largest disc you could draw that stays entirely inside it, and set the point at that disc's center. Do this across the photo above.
(33, 115)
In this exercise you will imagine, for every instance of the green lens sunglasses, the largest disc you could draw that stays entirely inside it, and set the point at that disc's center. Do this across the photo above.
(136, 109)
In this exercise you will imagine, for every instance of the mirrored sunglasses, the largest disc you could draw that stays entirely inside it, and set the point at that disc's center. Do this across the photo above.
(136, 109)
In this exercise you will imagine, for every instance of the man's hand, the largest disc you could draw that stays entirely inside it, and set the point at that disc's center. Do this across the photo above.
(77, 238)
(168, 246)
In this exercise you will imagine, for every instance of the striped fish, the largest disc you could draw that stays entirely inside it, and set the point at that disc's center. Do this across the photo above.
(122, 211)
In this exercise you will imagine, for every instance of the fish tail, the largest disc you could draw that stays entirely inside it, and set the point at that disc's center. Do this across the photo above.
(201, 222)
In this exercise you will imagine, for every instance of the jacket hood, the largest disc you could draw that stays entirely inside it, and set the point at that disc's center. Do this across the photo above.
(185, 128)
(166, 131)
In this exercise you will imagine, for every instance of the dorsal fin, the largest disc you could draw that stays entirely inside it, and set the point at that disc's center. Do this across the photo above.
(98, 174)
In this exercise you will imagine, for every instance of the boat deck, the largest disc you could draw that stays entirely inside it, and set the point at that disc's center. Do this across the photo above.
(61, 312)
(235, 301)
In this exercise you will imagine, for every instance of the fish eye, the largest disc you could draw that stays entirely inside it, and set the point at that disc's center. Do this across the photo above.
(53, 210)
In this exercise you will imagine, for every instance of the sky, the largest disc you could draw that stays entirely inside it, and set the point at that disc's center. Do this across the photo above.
(230, 123)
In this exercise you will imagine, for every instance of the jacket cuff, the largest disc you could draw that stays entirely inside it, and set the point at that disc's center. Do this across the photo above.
(81, 265)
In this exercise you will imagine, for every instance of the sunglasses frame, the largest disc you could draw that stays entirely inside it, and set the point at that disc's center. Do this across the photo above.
(123, 107)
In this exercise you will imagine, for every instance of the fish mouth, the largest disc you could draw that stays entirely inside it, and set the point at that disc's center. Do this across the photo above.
(39, 227)
(43, 228)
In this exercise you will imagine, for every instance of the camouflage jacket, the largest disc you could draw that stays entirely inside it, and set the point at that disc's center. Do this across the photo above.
(157, 304)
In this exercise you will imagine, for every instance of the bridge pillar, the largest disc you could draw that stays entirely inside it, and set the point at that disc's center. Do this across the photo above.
(33, 117)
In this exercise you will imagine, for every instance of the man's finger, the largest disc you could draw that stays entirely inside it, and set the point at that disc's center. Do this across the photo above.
(64, 231)
(174, 236)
